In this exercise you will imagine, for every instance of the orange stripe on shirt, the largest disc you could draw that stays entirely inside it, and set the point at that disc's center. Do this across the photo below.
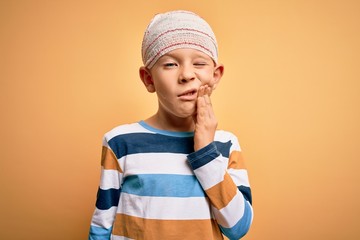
(148, 229)
(236, 160)
(109, 160)
(222, 193)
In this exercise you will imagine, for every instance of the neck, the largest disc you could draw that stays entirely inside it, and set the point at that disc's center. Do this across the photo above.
(171, 123)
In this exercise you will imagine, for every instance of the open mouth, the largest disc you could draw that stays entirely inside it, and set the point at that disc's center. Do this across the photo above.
(188, 93)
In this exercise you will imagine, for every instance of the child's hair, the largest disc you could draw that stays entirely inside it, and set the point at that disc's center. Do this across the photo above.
(177, 29)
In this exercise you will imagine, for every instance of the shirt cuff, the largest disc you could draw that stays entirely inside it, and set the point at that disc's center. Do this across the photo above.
(203, 156)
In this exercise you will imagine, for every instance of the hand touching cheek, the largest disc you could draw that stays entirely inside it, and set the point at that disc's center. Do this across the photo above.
(204, 118)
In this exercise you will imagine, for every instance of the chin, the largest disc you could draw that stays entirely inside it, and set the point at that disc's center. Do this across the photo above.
(187, 114)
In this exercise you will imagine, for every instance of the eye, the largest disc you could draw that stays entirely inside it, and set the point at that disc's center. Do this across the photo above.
(170, 64)
(200, 64)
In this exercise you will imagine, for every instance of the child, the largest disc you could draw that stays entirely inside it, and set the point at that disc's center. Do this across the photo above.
(173, 175)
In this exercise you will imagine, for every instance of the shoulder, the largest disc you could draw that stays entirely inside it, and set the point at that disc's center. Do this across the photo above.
(124, 129)
(226, 137)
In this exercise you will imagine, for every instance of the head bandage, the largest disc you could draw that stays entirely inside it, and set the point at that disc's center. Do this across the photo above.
(177, 29)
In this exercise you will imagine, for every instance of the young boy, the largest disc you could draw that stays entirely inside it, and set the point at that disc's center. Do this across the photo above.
(173, 175)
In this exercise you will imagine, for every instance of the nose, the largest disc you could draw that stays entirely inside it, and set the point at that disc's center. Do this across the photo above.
(186, 74)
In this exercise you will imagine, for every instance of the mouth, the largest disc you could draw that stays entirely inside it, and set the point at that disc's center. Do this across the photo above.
(188, 95)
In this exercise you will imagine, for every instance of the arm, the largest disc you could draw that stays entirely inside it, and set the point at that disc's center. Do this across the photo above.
(225, 182)
(221, 173)
(107, 197)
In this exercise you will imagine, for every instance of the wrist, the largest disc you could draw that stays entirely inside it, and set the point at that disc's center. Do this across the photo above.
(201, 144)
(203, 155)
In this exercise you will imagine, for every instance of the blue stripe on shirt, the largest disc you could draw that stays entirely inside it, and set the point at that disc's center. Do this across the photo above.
(224, 148)
(107, 198)
(203, 156)
(162, 185)
(99, 233)
(246, 191)
(125, 144)
(241, 227)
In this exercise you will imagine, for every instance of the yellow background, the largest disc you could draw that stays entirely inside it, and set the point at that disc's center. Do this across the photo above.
(291, 93)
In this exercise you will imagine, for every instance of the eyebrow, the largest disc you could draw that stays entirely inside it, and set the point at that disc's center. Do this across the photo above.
(193, 55)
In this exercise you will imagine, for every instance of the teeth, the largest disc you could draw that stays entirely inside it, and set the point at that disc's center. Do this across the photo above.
(188, 94)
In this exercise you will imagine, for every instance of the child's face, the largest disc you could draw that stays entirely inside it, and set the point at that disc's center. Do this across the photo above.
(177, 77)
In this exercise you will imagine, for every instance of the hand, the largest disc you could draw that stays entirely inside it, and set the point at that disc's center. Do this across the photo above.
(204, 118)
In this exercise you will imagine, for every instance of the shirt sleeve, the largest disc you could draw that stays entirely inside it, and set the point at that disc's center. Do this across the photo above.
(107, 196)
(224, 178)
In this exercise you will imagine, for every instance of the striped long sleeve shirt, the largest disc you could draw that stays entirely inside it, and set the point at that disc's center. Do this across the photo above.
(154, 185)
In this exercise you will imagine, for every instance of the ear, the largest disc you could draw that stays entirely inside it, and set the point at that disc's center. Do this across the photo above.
(146, 78)
(218, 73)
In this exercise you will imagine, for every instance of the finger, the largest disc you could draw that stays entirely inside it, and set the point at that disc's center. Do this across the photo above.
(208, 90)
(201, 109)
(207, 94)
(201, 91)
(201, 102)
(207, 99)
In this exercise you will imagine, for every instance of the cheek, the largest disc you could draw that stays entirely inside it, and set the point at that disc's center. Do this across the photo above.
(208, 79)
(164, 92)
